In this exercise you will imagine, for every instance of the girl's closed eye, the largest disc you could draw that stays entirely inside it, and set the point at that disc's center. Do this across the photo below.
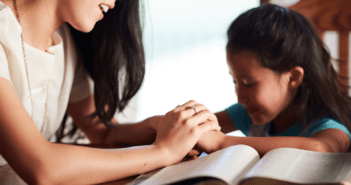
(247, 84)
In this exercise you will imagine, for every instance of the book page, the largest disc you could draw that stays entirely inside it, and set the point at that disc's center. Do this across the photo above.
(302, 166)
(228, 164)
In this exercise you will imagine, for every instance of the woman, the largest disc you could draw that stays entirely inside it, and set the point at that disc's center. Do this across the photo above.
(43, 75)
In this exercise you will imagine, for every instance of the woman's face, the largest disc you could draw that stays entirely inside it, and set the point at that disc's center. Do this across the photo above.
(262, 92)
(83, 14)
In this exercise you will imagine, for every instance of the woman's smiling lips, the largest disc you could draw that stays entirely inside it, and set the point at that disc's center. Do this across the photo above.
(104, 7)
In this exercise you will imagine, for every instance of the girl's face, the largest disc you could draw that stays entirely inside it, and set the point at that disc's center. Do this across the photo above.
(83, 14)
(262, 92)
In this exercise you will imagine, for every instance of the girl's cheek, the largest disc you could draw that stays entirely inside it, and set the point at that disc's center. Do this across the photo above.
(263, 99)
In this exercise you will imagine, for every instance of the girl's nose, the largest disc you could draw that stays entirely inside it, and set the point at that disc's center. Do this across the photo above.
(242, 97)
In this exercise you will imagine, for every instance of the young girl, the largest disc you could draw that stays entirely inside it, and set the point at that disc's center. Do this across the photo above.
(43, 75)
(288, 91)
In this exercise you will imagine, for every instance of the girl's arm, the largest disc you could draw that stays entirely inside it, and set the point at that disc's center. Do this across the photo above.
(225, 122)
(328, 140)
(38, 161)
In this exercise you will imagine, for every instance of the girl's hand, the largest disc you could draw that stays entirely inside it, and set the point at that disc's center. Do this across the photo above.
(211, 141)
(182, 127)
(193, 153)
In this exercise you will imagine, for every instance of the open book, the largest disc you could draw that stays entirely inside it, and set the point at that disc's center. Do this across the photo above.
(241, 164)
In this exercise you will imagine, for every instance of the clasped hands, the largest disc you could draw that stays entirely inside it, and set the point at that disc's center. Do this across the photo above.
(186, 131)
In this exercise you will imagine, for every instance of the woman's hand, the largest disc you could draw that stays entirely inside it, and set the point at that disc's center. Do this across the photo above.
(211, 141)
(182, 127)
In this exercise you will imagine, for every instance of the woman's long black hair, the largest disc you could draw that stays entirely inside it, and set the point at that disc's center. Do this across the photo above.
(113, 54)
(282, 39)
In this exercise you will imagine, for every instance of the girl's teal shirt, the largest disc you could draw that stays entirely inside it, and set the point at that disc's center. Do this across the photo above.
(243, 122)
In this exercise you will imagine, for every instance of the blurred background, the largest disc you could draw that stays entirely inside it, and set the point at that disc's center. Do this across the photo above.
(185, 56)
(185, 50)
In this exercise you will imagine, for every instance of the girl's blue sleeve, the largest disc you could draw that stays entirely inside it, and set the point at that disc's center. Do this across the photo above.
(240, 118)
(326, 123)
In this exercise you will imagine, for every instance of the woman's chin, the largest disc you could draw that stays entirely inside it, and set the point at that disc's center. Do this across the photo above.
(85, 28)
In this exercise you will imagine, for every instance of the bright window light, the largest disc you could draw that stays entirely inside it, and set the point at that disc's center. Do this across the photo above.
(185, 56)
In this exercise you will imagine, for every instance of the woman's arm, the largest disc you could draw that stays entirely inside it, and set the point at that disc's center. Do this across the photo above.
(122, 135)
(38, 161)
(142, 133)
(328, 140)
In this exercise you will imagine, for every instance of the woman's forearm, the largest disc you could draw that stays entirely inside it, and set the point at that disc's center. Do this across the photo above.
(67, 164)
(121, 135)
(141, 133)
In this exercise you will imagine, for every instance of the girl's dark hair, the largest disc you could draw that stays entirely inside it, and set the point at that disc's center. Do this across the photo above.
(113, 54)
(282, 39)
